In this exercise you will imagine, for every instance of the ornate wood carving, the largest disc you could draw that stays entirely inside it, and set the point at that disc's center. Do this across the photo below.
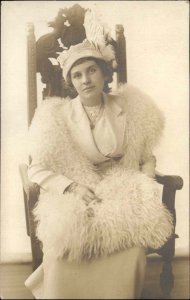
(48, 46)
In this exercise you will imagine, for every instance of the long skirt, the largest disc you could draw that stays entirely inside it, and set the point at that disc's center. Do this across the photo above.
(119, 276)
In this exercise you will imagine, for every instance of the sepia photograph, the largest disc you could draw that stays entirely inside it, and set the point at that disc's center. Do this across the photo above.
(94, 150)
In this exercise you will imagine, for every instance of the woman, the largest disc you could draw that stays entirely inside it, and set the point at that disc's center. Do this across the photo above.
(99, 207)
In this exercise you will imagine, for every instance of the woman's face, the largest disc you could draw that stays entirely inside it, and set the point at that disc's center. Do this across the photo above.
(88, 80)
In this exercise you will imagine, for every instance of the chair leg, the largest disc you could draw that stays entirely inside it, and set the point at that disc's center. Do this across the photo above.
(167, 279)
(166, 276)
(37, 254)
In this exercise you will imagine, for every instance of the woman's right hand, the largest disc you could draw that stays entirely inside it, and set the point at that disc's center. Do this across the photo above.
(86, 193)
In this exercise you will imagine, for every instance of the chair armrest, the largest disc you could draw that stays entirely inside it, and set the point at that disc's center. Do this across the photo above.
(31, 193)
(170, 183)
(28, 186)
(173, 181)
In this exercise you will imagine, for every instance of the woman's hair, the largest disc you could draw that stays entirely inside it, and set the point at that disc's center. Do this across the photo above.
(104, 67)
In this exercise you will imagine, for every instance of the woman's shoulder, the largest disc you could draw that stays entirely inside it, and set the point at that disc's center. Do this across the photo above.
(138, 106)
(130, 97)
(49, 109)
(135, 101)
(53, 102)
(51, 105)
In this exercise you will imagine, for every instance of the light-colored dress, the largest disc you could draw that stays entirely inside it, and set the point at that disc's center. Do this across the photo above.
(119, 276)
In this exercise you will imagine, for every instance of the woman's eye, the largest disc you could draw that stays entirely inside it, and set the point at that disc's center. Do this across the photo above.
(92, 70)
(77, 75)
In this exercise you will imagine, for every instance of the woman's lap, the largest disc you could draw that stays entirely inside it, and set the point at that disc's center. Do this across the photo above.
(119, 276)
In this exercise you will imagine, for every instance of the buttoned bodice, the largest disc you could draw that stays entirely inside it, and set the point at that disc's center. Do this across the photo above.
(106, 139)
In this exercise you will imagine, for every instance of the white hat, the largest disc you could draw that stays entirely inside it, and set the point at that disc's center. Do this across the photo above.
(85, 49)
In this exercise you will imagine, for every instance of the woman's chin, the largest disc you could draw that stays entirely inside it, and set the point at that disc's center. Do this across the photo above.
(89, 92)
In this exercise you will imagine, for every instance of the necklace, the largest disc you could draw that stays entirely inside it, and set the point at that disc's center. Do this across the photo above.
(93, 113)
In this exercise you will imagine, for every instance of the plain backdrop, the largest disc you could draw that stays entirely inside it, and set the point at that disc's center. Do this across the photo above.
(157, 63)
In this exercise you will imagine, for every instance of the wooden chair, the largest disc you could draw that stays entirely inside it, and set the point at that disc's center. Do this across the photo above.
(38, 62)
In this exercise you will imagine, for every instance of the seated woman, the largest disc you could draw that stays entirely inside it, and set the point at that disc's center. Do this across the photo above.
(99, 206)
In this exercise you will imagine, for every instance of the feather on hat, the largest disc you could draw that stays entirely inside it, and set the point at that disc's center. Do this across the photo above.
(95, 45)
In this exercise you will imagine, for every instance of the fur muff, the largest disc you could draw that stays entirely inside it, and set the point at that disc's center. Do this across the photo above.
(131, 212)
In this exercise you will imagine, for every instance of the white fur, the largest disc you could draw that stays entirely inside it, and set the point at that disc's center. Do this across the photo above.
(131, 213)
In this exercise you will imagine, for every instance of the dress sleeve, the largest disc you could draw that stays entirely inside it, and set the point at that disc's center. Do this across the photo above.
(148, 166)
(48, 180)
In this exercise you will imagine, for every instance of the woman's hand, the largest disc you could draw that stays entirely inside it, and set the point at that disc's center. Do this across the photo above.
(86, 193)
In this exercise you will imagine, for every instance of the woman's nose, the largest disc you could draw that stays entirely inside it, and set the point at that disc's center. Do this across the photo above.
(86, 79)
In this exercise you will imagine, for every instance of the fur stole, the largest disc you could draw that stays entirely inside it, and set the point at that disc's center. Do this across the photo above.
(131, 213)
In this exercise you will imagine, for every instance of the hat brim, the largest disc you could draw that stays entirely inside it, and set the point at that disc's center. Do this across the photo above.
(86, 53)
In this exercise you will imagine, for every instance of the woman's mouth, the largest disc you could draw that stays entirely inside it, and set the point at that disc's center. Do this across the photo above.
(89, 88)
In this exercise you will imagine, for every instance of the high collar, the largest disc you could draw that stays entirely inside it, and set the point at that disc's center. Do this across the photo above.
(109, 101)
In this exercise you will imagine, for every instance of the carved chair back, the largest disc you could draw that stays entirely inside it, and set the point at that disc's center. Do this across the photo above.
(47, 47)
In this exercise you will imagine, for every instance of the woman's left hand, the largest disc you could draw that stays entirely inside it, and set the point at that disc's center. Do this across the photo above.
(86, 193)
